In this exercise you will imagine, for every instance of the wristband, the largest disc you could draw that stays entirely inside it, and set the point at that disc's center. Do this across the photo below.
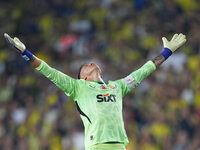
(27, 55)
(166, 53)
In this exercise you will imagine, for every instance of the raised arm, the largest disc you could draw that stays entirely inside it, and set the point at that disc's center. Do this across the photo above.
(134, 79)
(169, 47)
(63, 81)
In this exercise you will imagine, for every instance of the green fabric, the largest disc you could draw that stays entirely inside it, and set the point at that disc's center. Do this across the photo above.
(143, 72)
(63, 81)
(136, 77)
(107, 147)
(101, 103)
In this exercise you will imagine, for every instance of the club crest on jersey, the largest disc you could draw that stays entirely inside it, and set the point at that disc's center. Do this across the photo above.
(112, 87)
(103, 87)
(106, 98)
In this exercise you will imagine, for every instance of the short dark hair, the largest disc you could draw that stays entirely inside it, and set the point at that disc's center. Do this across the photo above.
(79, 72)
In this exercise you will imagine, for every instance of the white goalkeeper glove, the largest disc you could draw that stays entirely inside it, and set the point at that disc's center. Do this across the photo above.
(177, 41)
(16, 43)
(20, 47)
(171, 46)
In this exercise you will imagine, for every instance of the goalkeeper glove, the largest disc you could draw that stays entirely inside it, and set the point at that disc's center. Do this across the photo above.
(20, 47)
(171, 46)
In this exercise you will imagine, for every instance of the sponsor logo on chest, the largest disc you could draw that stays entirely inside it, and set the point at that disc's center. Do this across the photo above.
(106, 98)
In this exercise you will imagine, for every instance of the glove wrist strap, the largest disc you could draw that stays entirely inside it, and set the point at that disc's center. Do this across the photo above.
(166, 53)
(27, 55)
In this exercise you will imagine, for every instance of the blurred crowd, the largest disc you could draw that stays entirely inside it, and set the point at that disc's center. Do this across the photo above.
(163, 113)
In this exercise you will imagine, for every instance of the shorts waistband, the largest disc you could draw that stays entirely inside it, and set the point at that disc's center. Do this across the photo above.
(109, 145)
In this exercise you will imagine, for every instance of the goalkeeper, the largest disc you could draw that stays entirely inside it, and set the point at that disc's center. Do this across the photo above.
(99, 104)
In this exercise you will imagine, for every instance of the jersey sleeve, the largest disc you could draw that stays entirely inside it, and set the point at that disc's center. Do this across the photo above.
(61, 80)
(136, 77)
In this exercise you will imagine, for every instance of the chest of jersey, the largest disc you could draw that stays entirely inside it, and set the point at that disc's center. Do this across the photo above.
(101, 96)
(100, 101)
(103, 93)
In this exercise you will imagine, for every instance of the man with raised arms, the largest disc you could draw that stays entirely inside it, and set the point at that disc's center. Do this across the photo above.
(99, 104)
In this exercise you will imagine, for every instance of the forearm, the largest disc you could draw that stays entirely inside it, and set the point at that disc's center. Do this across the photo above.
(143, 72)
(35, 62)
(158, 60)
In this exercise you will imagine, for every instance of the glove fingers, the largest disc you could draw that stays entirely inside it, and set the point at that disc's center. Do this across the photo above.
(19, 44)
(174, 37)
(182, 42)
(6, 35)
(164, 40)
(179, 37)
(14, 43)
(17, 41)
(182, 37)
(8, 38)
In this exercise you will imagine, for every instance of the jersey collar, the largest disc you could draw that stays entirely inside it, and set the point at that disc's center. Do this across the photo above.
(99, 82)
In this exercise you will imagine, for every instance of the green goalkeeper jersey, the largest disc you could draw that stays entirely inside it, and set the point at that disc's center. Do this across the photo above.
(99, 104)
